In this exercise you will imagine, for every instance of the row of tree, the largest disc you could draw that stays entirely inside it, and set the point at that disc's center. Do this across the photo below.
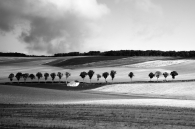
(83, 74)
(165, 74)
(157, 74)
(39, 75)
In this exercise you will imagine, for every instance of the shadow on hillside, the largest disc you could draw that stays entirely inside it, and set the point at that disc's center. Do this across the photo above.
(82, 86)
(56, 85)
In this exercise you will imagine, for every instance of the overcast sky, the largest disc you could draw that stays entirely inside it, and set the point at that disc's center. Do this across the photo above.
(57, 26)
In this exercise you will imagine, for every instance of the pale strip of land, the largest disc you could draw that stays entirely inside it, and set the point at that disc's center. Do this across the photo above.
(138, 102)
(159, 63)
(180, 90)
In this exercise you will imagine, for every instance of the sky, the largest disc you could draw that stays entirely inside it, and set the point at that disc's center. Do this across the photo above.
(60, 26)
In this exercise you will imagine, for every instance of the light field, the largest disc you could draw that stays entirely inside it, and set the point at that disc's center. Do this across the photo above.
(158, 63)
(179, 90)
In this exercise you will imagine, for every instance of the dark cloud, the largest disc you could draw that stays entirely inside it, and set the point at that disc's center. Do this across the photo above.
(49, 26)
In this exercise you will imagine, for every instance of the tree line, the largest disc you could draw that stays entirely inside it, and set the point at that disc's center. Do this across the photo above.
(16, 54)
(13, 54)
(111, 53)
(83, 74)
(131, 53)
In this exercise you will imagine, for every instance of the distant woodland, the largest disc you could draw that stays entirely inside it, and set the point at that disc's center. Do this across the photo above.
(113, 53)
(13, 54)
(131, 53)
(16, 54)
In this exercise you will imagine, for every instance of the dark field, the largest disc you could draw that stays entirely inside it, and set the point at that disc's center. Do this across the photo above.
(84, 60)
(95, 116)
(102, 61)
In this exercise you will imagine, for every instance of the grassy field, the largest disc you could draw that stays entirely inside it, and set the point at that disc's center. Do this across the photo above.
(95, 116)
